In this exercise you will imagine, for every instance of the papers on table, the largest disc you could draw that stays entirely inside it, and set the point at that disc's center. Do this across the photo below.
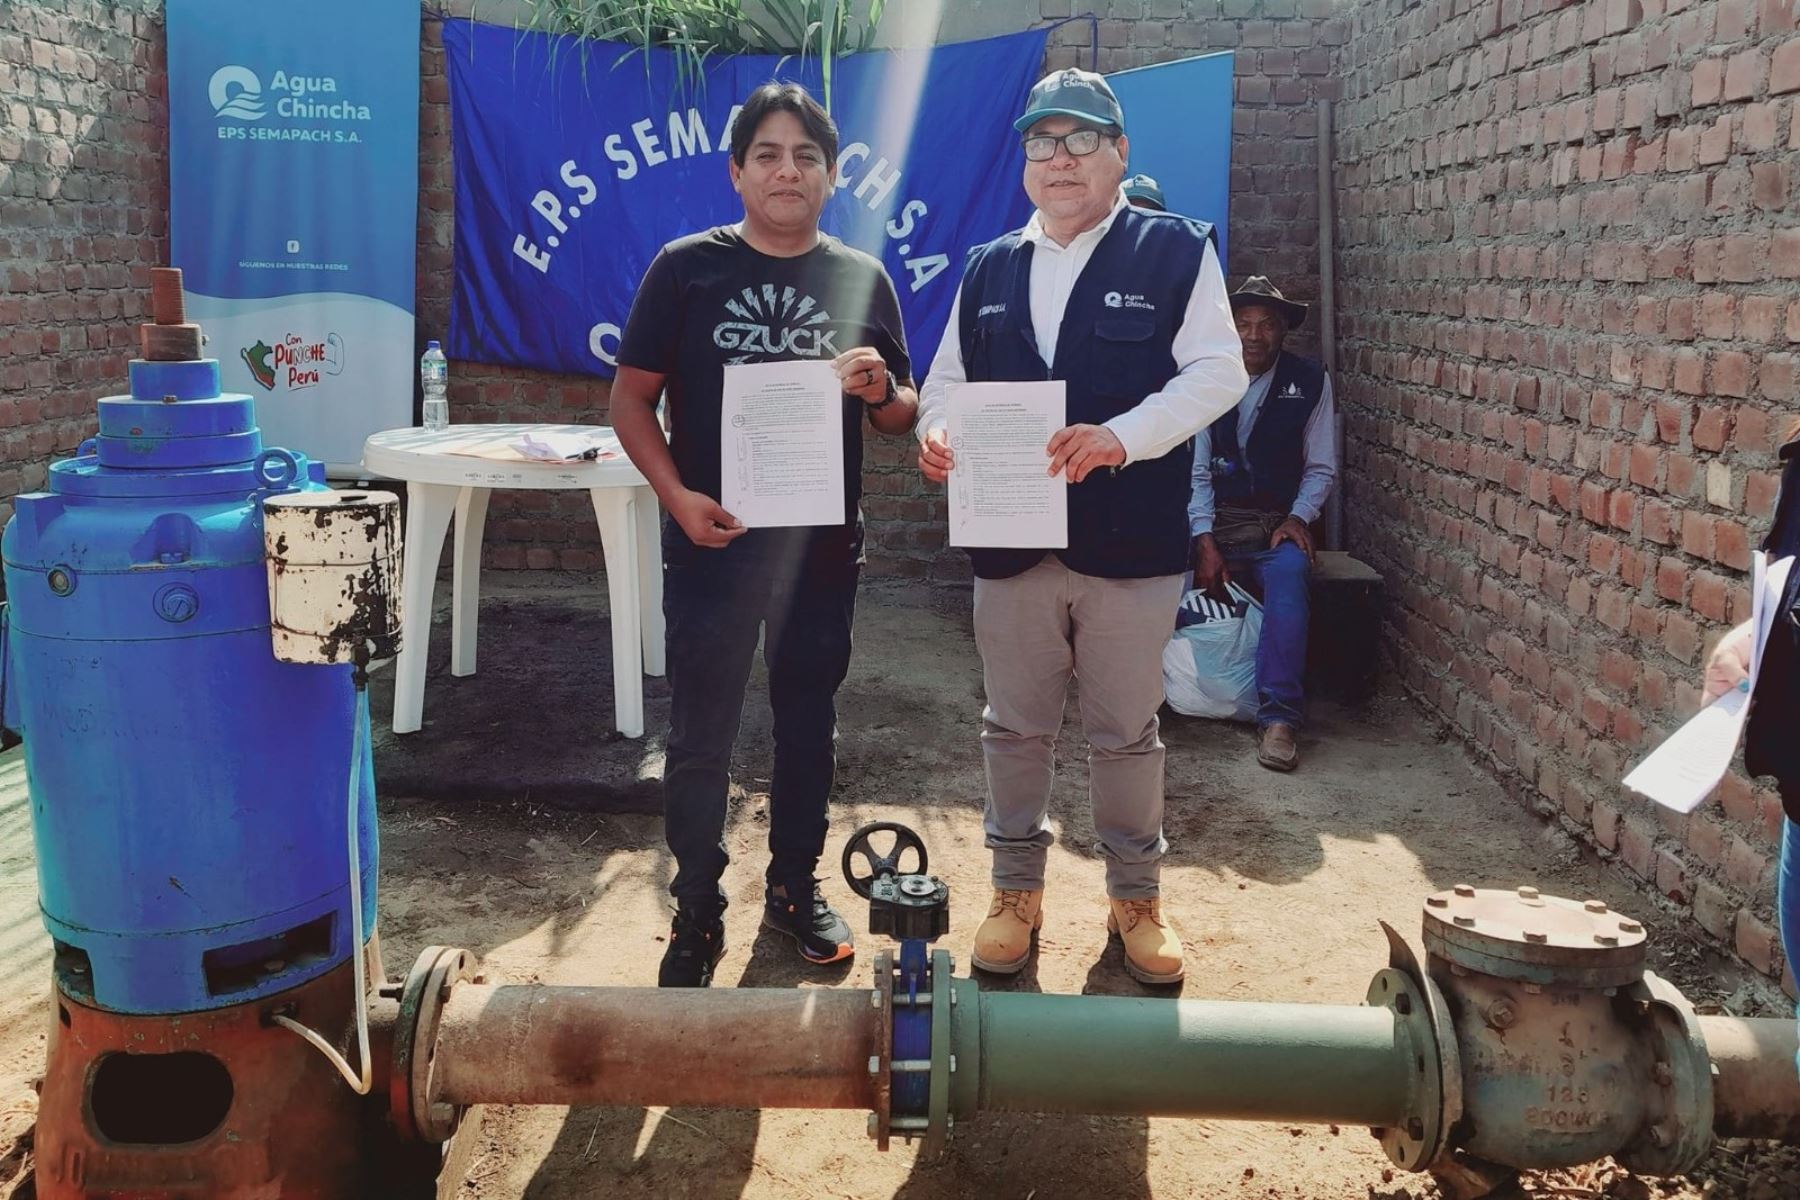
(548, 444)
(559, 446)
(1683, 771)
(1001, 491)
(781, 433)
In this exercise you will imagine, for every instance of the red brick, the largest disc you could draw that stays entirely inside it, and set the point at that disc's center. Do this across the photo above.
(1757, 943)
(1784, 68)
(1696, 536)
(1744, 74)
(1731, 545)
(1671, 579)
(1710, 427)
(1714, 910)
(1731, 373)
(1709, 595)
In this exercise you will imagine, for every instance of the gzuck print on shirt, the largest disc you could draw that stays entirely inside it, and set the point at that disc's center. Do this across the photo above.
(775, 324)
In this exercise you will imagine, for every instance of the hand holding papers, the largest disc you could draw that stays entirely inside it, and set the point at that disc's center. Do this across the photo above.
(781, 436)
(1683, 771)
(1001, 492)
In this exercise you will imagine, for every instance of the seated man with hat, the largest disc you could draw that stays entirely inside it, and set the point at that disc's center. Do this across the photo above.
(1261, 476)
(1145, 192)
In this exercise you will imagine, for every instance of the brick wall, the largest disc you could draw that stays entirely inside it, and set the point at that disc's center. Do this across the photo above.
(83, 216)
(1568, 302)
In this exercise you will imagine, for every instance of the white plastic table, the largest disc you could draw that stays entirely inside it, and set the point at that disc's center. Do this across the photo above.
(441, 484)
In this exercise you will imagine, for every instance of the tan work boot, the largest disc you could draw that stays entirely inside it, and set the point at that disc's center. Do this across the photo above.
(1003, 941)
(1152, 949)
(1276, 748)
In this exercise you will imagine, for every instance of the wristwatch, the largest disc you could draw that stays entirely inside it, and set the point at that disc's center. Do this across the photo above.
(893, 393)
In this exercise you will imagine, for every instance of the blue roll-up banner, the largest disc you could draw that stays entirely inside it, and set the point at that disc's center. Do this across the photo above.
(1178, 116)
(293, 207)
(576, 160)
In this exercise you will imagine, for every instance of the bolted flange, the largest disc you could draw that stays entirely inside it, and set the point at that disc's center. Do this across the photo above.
(1526, 936)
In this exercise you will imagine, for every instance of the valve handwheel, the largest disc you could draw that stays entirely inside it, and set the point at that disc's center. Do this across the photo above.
(862, 844)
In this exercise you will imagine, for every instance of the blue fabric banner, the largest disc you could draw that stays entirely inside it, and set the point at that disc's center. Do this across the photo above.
(1179, 117)
(293, 205)
(576, 161)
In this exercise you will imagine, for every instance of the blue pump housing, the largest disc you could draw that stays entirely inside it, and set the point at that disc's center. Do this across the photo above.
(188, 790)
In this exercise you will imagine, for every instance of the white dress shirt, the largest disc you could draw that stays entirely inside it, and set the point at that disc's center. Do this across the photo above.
(1320, 450)
(1208, 356)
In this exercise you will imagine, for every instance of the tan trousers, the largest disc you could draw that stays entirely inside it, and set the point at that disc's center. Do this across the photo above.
(1035, 630)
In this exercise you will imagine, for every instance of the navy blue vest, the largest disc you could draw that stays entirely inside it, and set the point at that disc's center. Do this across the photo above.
(1265, 475)
(1115, 347)
(1770, 744)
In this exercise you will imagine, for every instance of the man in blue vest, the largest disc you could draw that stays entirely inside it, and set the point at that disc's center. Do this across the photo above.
(1128, 307)
(1261, 476)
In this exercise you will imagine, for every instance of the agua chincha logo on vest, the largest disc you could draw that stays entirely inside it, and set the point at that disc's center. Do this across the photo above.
(775, 323)
(239, 104)
(294, 362)
(1127, 300)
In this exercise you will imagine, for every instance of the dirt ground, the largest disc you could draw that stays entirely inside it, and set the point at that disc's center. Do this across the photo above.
(517, 824)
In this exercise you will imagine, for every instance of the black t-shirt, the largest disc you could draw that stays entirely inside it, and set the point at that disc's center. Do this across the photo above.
(710, 300)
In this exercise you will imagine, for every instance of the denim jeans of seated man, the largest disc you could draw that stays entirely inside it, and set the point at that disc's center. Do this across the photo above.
(1283, 578)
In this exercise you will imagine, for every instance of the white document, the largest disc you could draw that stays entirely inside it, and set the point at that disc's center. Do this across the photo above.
(781, 435)
(1001, 491)
(1683, 771)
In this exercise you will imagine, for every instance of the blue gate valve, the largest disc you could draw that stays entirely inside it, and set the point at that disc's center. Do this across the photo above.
(912, 1067)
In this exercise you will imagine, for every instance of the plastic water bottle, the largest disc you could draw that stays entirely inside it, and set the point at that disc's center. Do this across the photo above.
(434, 377)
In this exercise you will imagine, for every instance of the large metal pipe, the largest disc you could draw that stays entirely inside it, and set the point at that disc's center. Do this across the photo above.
(729, 1048)
(1188, 1058)
(1756, 1088)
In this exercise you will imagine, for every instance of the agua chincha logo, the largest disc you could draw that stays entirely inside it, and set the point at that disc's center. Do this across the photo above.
(294, 361)
(236, 92)
(239, 103)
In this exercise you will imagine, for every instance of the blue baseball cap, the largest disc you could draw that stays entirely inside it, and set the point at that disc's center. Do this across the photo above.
(1142, 187)
(1072, 92)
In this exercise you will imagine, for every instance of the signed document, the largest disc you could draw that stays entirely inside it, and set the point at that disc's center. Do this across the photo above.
(1001, 491)
(782, 444)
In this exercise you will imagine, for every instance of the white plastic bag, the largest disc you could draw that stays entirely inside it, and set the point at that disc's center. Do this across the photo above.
(1209, 666)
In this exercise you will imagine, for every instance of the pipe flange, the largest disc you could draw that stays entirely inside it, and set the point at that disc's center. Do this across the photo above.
(1524, 935)
(937, 1110)
(1418, 1137)
(1680, 1132)
(412, 1109)
(1443, 1027)
(881, 1063)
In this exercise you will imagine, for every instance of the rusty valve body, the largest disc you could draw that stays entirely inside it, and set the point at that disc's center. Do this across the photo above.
(1570, 1050)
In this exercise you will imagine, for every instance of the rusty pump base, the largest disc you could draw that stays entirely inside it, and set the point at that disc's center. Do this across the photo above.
(1530, 1036)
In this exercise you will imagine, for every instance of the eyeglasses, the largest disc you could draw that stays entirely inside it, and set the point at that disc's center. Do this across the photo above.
(1079, 143)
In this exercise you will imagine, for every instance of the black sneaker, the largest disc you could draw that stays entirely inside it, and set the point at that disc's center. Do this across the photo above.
(696, 944)
(799, 911)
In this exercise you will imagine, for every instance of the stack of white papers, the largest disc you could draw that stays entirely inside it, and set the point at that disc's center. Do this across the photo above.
(1683, 771)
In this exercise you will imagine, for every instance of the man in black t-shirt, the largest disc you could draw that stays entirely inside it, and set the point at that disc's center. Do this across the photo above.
(769, 289)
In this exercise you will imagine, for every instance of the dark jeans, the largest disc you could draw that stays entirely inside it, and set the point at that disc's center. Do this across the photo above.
(714, 608)
(1284, 577)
